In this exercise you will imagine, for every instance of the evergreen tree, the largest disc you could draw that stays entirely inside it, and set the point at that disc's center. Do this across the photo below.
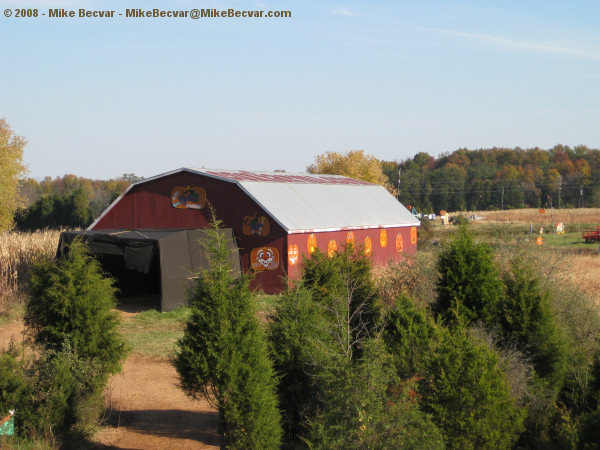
(528, 323)
(223, 355)
(300, 343)
(72, 300)
(366, 405)
(468, 395)
(470, 287)
(343, 287)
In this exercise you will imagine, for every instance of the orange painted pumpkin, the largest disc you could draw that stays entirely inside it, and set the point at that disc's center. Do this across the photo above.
(311, 243)
(256, 225)
(331, 248)
(383, 238)
(350, 237)
(399, 243)
(413, 235)
(188, 197)
(293, 254)
(264, 258)
(368, 246)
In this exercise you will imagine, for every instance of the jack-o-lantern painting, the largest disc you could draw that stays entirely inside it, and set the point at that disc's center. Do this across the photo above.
(311, 243)
(368, 246)
(331, 248)
(383, 238)
(293, 254)
(413, 235)
(399, 243)
(255, 225)
(188, 197)
(264, 258)
(350, 237)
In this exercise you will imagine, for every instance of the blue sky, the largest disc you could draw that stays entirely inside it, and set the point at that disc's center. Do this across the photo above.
(102, 97)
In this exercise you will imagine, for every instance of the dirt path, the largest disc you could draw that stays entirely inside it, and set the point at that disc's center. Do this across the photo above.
(13, 330)
(149, 411)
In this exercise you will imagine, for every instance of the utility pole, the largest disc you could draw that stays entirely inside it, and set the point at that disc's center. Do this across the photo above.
(502, 207)
(559, 189)
(580, 205)
(398, 191)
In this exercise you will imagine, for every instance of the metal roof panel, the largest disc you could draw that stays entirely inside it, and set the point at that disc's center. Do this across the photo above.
(316, 207)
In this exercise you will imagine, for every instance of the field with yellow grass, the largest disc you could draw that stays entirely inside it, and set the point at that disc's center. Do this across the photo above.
(17, 252)
(581, 263)
(536, 216)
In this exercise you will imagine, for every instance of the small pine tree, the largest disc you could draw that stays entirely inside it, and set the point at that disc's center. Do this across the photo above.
(366, 406)
(72, 300)
(300, 342)
(223, 355)
(468, 395)
(470, 287)
(343, 286)
(528, 323)
(410, 335)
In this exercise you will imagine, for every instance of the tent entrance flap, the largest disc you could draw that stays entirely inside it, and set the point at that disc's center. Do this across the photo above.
(165, 260)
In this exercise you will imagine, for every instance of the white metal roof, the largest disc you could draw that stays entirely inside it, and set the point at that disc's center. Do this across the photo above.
(316, 207)
(312, 202)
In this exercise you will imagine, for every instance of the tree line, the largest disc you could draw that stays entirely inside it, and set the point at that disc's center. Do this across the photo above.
(66, 202)
(498, 178)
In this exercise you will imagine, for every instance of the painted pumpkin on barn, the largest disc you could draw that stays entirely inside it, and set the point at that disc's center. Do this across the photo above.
(264, 258)
(383, 238)
(188, 197)
(311, 243)
(331, 248)
(293, 254)
(368, 246)
(399, 243)
(255, 225)
(413, 235)
(350, 237)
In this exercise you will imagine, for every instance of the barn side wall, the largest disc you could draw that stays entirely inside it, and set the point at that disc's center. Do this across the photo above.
(384, 248)
(148, 205)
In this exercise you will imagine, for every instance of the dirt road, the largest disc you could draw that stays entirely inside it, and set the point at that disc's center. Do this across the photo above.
(148, 410)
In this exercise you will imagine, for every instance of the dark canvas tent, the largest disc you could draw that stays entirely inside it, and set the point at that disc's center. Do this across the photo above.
(169, 257)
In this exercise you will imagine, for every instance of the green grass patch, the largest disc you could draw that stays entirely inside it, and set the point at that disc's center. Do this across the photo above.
(568, 240)
(265, 303)
(154, 333)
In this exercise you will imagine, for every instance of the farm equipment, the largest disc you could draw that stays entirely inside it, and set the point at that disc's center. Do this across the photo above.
(592, 236)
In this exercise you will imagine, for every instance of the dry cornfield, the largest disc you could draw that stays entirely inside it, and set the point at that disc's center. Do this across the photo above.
(17, 252)
(571, 216)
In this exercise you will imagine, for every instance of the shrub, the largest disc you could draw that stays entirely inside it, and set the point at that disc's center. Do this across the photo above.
(223, 354)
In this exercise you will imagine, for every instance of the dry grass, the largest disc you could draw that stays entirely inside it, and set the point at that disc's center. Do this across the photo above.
(17, 252)
(572, 216)
(584, 272)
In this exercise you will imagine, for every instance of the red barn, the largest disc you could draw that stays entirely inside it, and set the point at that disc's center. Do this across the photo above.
(277, 217)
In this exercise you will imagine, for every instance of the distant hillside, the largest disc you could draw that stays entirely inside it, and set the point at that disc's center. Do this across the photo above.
(499, 178)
